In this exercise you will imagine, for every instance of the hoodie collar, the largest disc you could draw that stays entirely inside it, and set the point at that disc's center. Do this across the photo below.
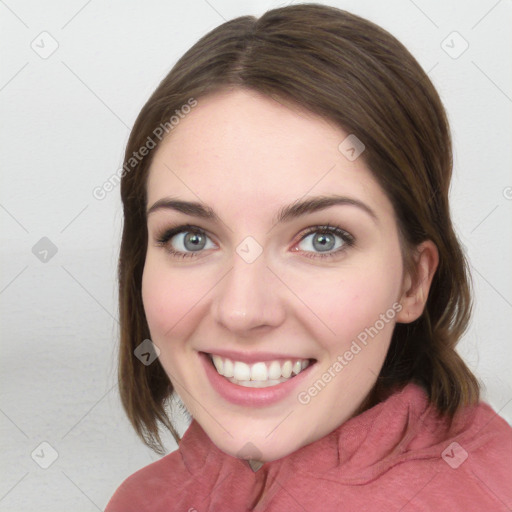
(357, 451)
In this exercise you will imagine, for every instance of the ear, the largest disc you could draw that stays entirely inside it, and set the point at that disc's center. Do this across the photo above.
(416, 285)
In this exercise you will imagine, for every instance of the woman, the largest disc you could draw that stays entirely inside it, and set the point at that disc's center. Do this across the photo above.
(289, 268)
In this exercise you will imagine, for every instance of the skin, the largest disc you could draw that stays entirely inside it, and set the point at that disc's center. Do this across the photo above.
(246, 156)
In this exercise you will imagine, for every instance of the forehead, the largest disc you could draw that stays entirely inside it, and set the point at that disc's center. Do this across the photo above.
(239, 149)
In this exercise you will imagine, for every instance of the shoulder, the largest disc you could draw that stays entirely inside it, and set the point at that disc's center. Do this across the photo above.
(486, 446)
(485, 435)
(145, 488)
(464, 464)
(475, 464)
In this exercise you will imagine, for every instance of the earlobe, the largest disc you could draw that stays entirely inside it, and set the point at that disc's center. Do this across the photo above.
(416, 287)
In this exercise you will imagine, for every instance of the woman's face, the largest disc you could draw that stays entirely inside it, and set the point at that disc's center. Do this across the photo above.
(283, 265)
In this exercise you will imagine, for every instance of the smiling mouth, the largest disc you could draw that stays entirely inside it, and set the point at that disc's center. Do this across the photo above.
(261, 374)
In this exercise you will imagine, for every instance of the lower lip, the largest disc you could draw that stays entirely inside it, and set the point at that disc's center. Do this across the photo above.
(254, 397)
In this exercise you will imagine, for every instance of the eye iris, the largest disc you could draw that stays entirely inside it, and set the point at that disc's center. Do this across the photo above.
(323, 242)
(194, 241)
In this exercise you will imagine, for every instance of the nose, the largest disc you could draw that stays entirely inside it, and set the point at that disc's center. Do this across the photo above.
(248, 299)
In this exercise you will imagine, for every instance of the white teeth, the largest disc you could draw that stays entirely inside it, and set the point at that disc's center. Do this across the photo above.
(286, 372)
(257, 383)
(274, 370)
(259, 371)
(241, 371)
(260, 374)
(228, 368)
(217, 361)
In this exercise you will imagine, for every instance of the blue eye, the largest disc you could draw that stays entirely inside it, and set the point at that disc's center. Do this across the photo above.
(325, 241)
(184, 241)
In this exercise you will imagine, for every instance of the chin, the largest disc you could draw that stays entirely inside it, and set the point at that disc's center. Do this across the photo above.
(255, 440)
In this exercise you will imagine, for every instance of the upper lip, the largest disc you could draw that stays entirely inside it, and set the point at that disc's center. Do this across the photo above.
(252, 357)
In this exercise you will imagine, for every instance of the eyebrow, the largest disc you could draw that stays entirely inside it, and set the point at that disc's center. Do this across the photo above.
(286, 213)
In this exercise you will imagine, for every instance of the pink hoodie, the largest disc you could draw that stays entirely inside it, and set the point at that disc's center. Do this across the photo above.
(396, 456)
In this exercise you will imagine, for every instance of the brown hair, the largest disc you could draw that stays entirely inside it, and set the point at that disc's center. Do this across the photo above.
(350, 71)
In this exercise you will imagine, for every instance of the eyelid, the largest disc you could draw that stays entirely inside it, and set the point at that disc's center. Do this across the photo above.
(327, 228)
(167, 233)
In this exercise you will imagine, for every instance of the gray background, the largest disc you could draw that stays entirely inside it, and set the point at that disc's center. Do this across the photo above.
(65, 121)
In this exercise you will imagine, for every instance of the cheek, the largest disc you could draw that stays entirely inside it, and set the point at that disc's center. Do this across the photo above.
(170, 299)
(348, 302)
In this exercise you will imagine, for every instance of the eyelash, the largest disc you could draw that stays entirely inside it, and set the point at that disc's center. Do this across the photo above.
(348, 240)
